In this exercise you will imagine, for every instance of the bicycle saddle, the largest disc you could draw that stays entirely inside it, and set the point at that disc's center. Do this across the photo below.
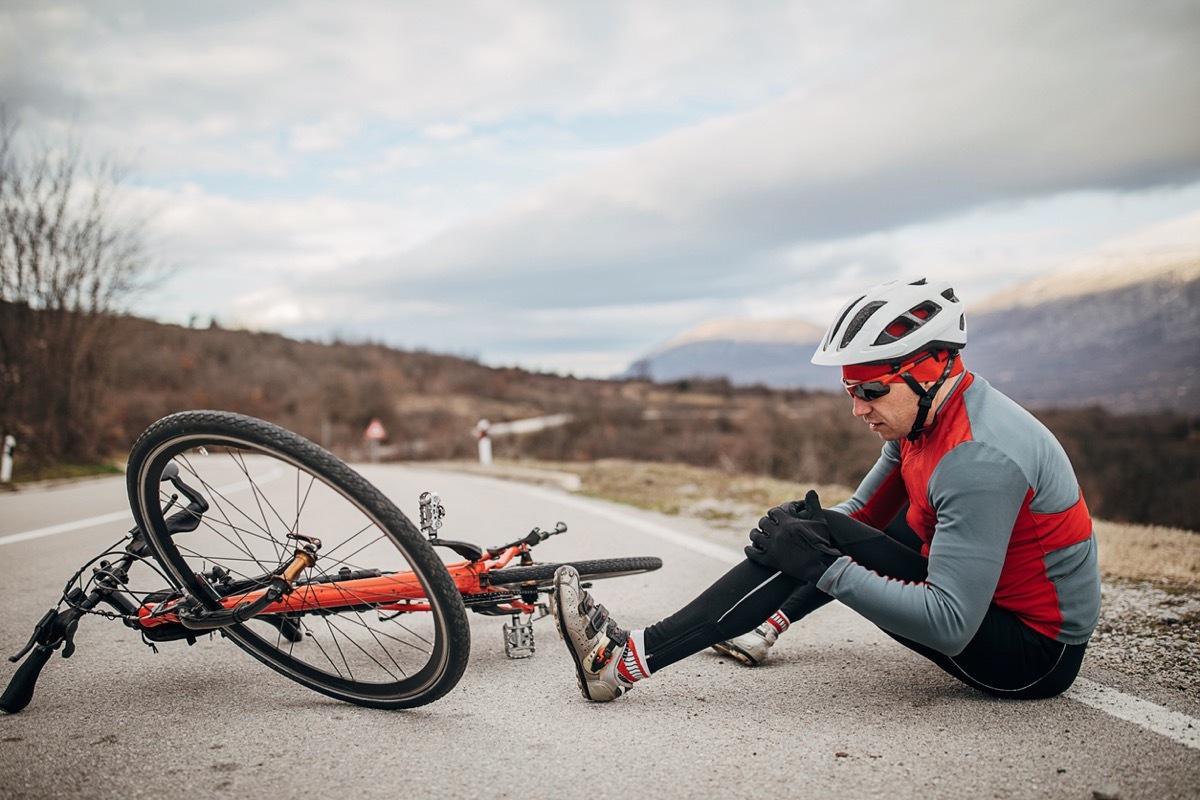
(472, 552)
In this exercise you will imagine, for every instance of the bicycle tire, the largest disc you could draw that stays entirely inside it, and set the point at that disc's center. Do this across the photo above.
(352, 653)
(592, 569)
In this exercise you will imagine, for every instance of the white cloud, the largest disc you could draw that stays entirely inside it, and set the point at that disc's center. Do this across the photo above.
(326, 134)
(922, 139)
(445, 131)
(527, 180)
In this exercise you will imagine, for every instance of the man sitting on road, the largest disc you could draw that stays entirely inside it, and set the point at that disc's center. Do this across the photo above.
(1000, 585)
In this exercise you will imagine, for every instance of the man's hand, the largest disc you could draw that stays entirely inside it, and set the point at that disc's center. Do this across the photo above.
(792, 508)
(794, 538)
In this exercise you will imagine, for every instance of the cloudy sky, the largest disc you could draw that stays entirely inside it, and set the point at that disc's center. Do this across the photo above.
(563, 186)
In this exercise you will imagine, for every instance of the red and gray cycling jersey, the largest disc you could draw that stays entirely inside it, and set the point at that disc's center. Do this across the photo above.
(993, 497)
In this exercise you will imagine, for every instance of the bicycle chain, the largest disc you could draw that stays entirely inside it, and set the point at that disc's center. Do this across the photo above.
(489, 598)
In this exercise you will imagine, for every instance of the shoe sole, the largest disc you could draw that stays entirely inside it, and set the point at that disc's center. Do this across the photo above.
(580, 673)
(740, 655)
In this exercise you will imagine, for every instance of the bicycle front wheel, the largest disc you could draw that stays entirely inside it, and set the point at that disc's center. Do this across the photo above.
(593, 569)
(265, 486)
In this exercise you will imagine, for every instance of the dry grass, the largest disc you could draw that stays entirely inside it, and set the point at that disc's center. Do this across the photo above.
(678, 488)
(1149, 552)
(685, 489)
(1135, 552)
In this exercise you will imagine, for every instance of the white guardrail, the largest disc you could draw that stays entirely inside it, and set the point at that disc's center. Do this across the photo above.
(485, 430)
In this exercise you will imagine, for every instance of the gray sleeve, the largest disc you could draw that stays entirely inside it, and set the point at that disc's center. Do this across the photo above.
(977, 492)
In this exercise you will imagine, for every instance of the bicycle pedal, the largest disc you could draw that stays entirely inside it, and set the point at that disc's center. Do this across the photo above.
(518, 639)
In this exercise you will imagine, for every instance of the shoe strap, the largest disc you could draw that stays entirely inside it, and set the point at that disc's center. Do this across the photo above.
(599, 621)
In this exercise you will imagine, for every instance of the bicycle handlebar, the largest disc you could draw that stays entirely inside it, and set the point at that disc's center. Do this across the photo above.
(20, 688)
(187, 519)
(55, 629)
(535, 536)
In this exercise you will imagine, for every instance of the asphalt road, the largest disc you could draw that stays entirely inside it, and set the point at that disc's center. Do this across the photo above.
(839, 710)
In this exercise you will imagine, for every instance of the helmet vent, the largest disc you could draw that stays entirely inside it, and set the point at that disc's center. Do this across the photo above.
(949, 295)
(840, 320)
(907, 322)
(859, 320)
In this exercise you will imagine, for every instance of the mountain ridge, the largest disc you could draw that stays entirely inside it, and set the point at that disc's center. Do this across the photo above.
(1126, 339)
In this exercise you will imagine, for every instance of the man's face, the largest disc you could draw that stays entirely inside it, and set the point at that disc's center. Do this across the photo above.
(891, 416)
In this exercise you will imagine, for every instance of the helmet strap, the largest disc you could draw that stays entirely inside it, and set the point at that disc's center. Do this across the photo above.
(925, 398)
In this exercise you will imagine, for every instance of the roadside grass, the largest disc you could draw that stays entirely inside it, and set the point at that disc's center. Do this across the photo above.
(1133, 552)
(684, 489)
(1149, 552)
(62, 472)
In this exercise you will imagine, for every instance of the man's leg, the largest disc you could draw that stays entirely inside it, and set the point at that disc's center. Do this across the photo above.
(752, 647)
(749, 594)
(738, 601)
(608, 659)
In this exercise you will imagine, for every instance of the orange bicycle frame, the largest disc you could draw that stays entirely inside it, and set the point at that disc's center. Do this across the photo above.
(397, 592)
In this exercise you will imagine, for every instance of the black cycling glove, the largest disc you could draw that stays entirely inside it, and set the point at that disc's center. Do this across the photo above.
(794, 539)
(792, 508)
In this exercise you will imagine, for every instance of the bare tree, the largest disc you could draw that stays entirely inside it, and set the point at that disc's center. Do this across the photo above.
(67, 262)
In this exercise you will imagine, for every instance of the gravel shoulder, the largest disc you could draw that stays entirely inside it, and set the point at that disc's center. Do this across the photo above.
(1149, 637)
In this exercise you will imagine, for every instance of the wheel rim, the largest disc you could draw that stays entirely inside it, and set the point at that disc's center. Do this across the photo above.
(258, 495)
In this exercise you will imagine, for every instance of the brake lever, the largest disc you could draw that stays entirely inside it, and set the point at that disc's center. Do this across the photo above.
(41, 627)
(68, 637)
(53, 630)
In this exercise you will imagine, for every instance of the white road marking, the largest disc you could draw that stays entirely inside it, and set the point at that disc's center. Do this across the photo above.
(65, 527)
(118, 516)
(1174, 725)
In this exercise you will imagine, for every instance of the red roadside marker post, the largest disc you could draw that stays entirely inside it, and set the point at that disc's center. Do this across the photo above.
(374, 434)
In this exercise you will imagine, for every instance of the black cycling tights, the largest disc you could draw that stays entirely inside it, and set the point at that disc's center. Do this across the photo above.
(1006, 658)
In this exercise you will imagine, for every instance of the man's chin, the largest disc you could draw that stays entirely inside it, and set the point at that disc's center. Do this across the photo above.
(885, 433)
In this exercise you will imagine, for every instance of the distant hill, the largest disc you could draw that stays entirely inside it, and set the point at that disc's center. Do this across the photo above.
(1124, 337)
(1134, 467)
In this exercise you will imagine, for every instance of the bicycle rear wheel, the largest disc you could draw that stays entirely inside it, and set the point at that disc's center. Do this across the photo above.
(593, 569)
(263, 483)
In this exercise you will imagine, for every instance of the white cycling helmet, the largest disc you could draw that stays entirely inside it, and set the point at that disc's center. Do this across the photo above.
(892, 322)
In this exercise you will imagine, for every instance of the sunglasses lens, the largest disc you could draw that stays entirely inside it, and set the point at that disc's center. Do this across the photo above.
(871, 390)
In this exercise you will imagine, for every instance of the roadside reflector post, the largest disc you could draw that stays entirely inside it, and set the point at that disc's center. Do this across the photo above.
(485, 441)
(6, 462)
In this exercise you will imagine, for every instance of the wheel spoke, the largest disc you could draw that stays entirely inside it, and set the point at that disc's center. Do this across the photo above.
(331, 635)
